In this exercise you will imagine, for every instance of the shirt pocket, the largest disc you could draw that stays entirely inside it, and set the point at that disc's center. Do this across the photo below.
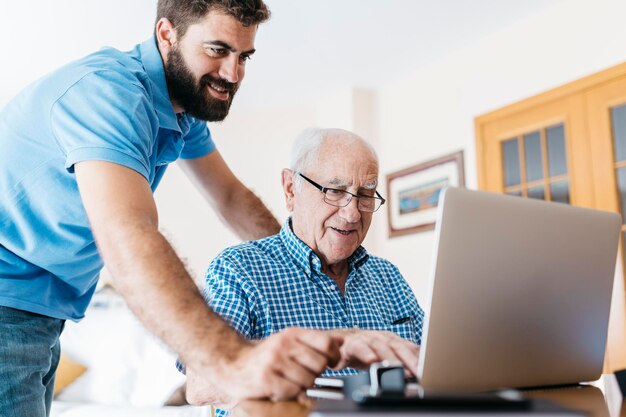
(403, 327)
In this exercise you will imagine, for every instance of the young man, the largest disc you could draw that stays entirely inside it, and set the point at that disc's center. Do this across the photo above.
(81, 152)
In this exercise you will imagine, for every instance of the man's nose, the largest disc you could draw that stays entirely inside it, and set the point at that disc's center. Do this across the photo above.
(229, 70)
(351, 212)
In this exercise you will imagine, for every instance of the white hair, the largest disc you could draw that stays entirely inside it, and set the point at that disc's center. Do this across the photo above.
(307, 145)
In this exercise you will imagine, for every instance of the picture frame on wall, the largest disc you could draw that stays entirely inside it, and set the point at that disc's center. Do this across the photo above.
(413, 193)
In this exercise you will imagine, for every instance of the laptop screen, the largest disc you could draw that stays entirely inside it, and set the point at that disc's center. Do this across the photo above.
(520, 293)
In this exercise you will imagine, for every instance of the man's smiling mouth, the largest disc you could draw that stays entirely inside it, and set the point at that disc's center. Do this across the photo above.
(218, 92)
(343, 232)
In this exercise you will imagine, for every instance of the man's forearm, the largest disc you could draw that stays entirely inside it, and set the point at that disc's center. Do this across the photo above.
(157, 288)
(248, 216)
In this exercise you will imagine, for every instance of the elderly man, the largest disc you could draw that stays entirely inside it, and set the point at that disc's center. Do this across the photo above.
(315, 273)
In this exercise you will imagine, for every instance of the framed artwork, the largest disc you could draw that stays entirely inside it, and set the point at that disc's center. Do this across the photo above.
(413, 193)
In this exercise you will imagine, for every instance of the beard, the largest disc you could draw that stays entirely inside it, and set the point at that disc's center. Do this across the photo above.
(194, 96)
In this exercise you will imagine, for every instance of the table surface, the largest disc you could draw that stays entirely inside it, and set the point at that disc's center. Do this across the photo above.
(601, 398)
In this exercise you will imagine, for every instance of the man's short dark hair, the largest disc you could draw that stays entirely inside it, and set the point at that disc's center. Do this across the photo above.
(183, 13)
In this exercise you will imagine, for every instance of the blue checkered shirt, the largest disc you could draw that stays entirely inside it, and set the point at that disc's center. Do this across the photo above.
(264, 286)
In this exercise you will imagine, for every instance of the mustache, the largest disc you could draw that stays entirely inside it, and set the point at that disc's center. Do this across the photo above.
(219, 82)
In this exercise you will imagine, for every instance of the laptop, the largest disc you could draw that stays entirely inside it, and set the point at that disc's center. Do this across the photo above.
(520, 293)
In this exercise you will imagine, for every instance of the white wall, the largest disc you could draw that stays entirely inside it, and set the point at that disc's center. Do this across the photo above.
(40, 36)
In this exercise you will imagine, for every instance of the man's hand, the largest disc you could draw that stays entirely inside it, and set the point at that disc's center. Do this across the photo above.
(361, 348)
(278, 368)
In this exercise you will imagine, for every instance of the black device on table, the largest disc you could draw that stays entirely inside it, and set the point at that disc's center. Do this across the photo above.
(384, 388)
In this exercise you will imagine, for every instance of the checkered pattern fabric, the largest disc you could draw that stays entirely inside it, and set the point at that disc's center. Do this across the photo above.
(264, 286)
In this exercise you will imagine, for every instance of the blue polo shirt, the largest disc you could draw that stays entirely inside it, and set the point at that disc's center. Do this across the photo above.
(109, 106)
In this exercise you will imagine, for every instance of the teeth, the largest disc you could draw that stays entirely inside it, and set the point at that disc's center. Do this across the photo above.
(343, 232)
(216, 88)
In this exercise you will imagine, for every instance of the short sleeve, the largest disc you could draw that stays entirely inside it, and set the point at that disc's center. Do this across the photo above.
(198, 141)
(106, 116)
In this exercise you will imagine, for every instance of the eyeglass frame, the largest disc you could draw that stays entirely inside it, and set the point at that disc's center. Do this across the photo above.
(323, 190)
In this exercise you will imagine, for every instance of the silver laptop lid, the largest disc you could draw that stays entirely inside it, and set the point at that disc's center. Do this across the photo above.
(520, 293)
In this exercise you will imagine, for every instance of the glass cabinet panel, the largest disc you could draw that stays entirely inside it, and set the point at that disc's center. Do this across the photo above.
(557, 162)
(532, 149)
(618, 125)
(510, 150)
(537, 192)
(559, 192)
(621, 189)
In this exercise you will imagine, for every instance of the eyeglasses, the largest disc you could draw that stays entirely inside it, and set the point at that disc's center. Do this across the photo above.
(341, 198)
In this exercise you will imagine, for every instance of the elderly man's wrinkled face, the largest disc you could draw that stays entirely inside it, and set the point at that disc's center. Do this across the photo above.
(334, 233)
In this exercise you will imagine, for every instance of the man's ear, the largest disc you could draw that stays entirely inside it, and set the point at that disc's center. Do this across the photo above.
(165, 36)
(288, 188)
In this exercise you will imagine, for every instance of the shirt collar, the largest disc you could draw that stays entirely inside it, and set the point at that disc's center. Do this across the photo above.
(304, 256)
(152, 62)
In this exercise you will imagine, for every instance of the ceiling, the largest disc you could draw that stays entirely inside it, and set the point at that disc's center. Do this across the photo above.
(307, 49)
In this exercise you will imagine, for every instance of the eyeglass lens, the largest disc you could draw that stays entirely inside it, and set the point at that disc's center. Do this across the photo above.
(343, 198)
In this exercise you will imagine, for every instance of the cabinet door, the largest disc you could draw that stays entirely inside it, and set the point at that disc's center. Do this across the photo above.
(606, 113)
(539, 153)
